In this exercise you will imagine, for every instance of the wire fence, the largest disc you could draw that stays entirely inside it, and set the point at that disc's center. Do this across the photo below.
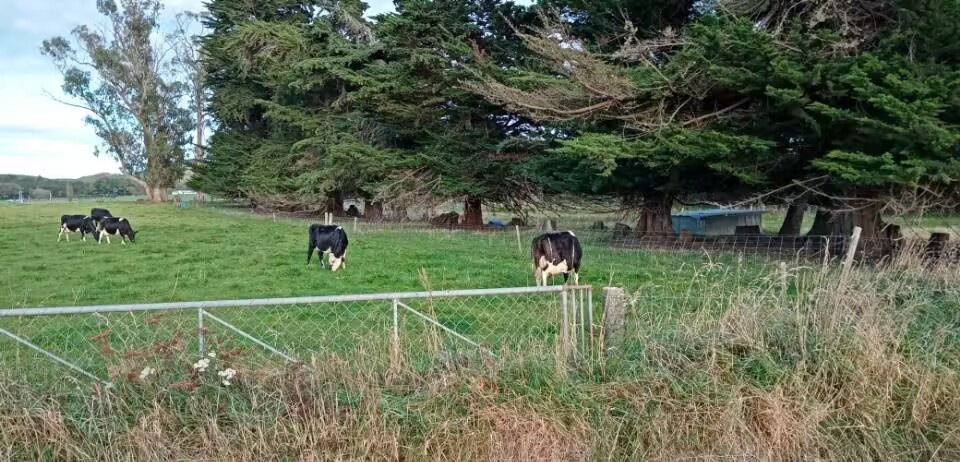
(416, 332)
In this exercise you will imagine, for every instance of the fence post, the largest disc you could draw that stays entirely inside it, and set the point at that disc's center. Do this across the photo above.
(519, 245)
(395, 337)
(784, 280)
(574, 308)
(614, 312)
(200, 334)
(590, 316)
(852, 247)
(565, 324)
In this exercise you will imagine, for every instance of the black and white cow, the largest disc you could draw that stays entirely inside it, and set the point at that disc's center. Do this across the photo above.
(99, 214)
(76, 224)
(332, 239)
(115, 226)
(554, 254)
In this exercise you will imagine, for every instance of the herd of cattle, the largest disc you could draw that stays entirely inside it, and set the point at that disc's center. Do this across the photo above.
(553, 253)
(100, 224)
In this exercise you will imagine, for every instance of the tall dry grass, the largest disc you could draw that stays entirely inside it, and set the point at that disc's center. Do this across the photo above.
(803, 365)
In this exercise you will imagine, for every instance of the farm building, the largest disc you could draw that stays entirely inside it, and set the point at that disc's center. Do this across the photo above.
(716, 222)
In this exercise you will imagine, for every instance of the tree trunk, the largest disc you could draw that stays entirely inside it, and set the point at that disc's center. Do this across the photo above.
(198, 153)
(157, 194)
(655, 215)
(335, 205)
(821, 223)
(830, 223)
(373, 211)
(867, 216)
(793, 222)
(473, 211)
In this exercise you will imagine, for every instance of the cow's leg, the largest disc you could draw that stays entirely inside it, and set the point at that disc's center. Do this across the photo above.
(537, 275)
(68, 235)
(545, 276)
(309, 253)
(576, 278)
(61, 234)
(123, 239)
(565, 275)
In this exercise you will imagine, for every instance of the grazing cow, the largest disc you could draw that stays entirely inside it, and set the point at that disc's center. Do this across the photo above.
(99, 214)
(554, 254)
(116, 226)
(332, 239)
(76, 224)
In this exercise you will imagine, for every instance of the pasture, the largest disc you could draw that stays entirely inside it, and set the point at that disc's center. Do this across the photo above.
(722, 355)
(203, 254)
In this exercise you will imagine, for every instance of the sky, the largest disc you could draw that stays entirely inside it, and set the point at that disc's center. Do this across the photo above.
(39, 136)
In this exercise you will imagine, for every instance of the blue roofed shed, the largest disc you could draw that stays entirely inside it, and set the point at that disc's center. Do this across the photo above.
(717, 222)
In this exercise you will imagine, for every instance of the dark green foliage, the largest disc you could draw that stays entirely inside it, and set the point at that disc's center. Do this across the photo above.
(660, 100)
(463, 145)
(311, 107)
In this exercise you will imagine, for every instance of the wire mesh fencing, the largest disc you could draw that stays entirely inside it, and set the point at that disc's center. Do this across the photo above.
(412, 332)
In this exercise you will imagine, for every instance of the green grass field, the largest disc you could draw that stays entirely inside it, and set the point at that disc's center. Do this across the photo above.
(722, 356)
(203, 254)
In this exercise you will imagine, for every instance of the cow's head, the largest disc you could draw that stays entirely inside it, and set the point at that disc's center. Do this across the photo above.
(88, 226)
(337, 263)
(133, 235)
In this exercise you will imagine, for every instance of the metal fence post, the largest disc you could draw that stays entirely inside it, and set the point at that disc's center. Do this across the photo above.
(200, 335)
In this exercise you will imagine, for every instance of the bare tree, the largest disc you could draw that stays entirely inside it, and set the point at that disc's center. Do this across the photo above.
(117, 74)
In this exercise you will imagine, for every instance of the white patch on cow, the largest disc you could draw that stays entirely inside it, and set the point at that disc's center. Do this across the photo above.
(571, 233)
(335, 262)
(124, 219)
(545, 270)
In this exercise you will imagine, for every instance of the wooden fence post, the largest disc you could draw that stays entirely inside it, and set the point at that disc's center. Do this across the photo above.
(614, 318)
(519, 245)
(852, 247)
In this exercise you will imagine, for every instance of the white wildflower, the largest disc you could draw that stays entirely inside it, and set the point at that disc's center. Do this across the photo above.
(212, 354)
(147, 372)
(227, 375)
(202, 365)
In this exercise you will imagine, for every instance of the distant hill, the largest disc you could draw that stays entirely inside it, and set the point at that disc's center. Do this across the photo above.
(100, 184)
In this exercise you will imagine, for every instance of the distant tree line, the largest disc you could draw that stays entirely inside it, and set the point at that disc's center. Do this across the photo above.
(38, 187)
